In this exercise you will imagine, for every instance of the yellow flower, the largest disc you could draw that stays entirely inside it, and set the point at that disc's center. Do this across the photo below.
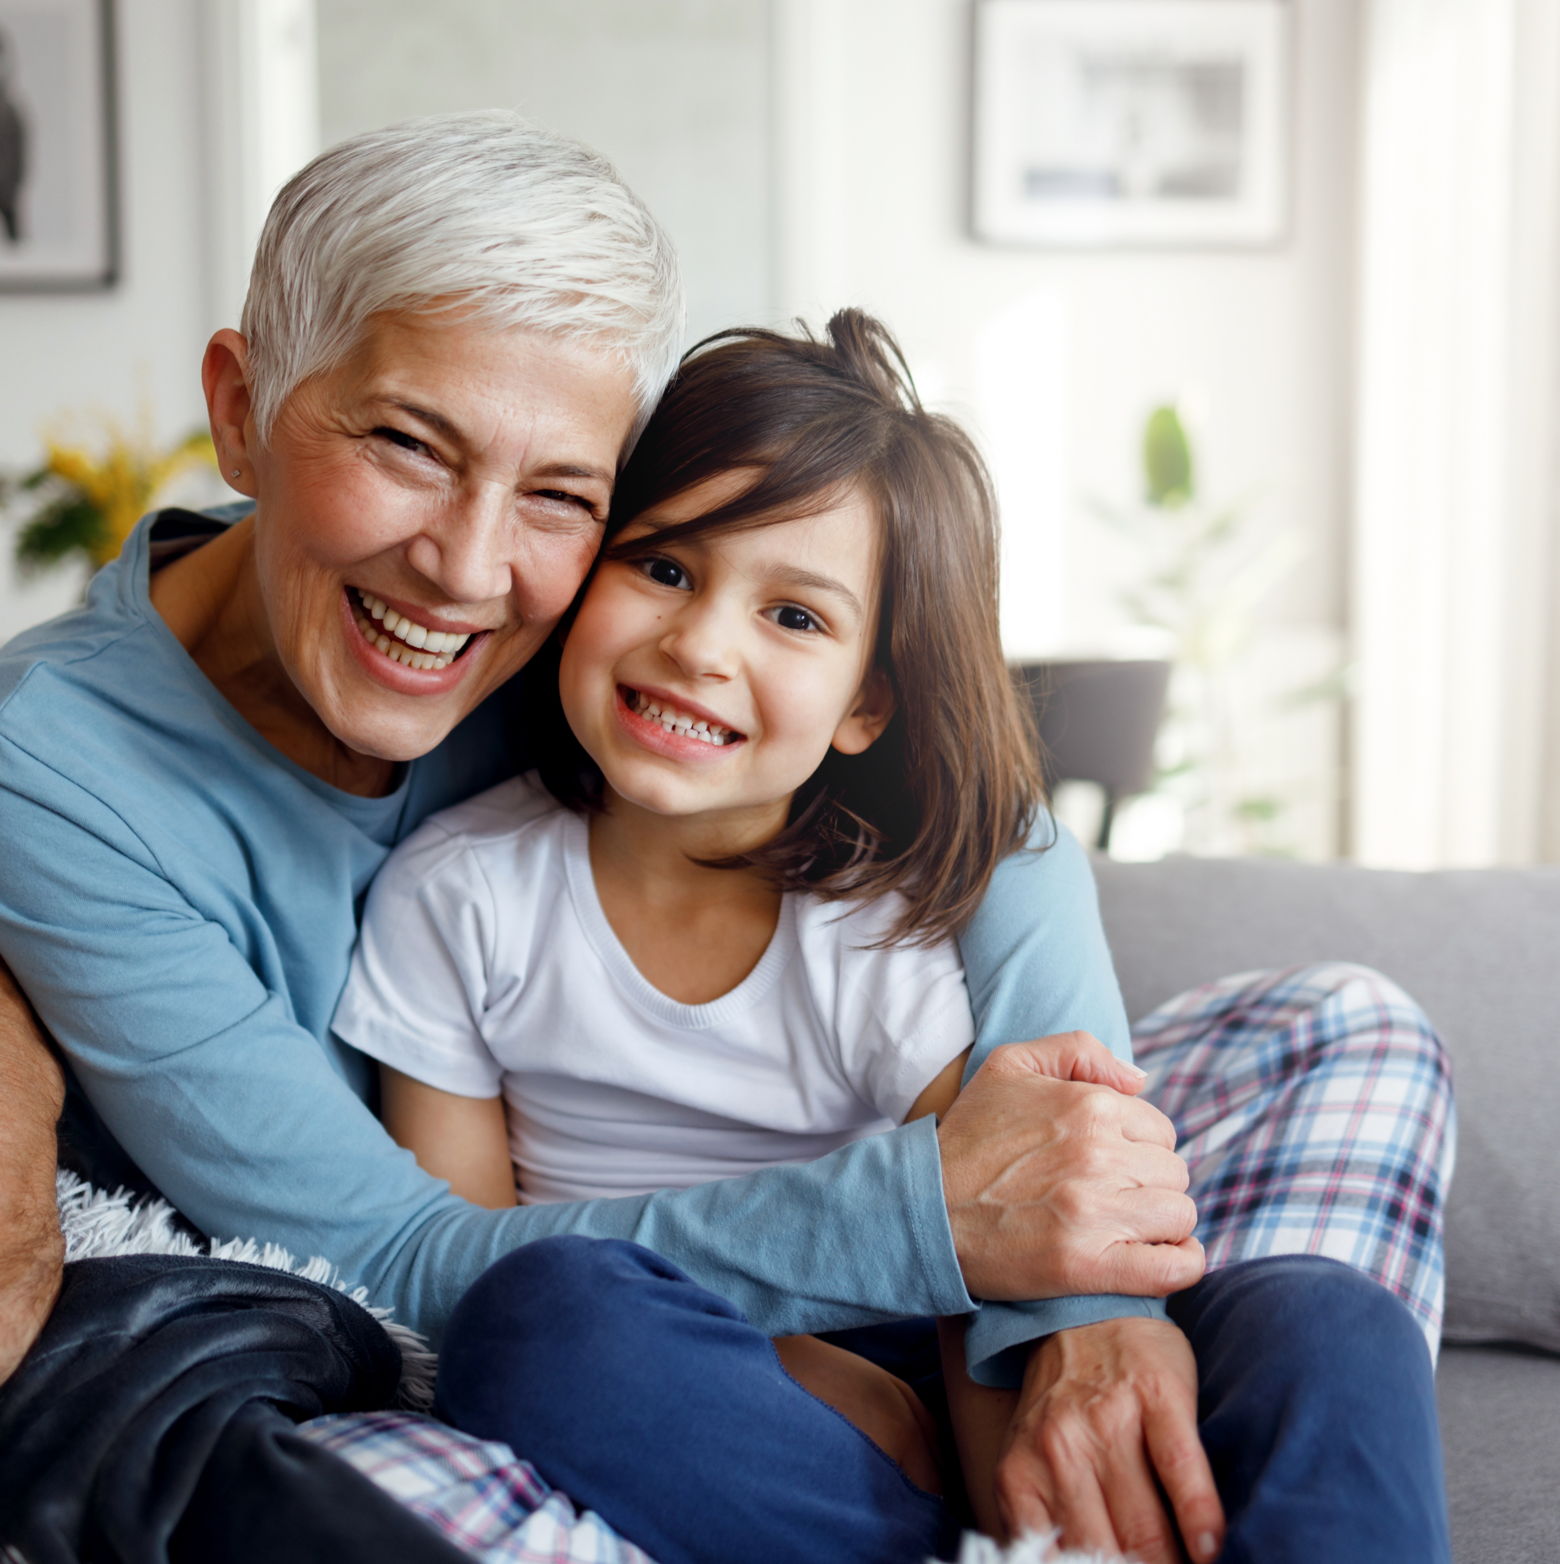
(115, 485)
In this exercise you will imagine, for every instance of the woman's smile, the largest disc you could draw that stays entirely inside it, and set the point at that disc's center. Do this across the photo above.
(408, 634)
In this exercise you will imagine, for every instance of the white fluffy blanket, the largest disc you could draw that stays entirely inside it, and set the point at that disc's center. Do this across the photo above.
(97, 1225)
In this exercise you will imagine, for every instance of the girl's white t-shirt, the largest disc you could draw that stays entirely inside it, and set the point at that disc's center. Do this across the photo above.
(487, 967)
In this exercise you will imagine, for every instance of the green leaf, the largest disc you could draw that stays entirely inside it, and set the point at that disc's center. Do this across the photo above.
(1180, 768)
(1167, 460)
(68, 526)
(1220, 527)
(1334, 686)
(1258, 810)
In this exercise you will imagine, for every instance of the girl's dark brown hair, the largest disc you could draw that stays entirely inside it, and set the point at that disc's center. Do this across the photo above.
(954, 782)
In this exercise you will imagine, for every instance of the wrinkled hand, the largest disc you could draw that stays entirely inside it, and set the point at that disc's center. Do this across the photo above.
(1060, 1183)
(1104, 1410)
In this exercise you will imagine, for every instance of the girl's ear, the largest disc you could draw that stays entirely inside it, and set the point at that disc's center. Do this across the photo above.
(865, 721)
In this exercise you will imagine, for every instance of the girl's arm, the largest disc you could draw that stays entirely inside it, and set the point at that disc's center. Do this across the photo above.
(463, 1140)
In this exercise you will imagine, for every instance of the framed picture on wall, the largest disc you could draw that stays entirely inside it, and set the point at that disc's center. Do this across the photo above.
(58, 190)
(1108, 123)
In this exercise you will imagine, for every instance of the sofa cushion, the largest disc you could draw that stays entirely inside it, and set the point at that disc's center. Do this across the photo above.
(1500, 1423)
(1479, 950)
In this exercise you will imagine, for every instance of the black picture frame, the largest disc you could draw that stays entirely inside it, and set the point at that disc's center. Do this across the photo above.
(59, 176)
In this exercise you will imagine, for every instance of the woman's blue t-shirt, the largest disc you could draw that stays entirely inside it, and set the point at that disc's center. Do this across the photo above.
(180, 901)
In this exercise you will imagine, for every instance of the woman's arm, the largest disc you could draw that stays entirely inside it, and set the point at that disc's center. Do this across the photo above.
(982, 1416)
(463, 1140)
(1082, 1407)
(237, 1114)
(31, 1248)
(1037, 964)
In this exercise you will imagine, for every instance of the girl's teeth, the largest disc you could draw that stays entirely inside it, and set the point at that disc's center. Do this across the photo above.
(674, 721)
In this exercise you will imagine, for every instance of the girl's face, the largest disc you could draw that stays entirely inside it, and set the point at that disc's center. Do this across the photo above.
(709, 677)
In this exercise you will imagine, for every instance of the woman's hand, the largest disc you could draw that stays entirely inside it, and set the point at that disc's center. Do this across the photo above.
(1059, 1182)
(32, 1250)
(1105, 1410)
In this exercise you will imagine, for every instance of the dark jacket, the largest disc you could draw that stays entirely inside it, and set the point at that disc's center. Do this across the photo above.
(154, 1421)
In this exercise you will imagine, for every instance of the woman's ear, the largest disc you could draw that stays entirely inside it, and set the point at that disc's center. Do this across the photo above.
(865, 721)
(224, 373)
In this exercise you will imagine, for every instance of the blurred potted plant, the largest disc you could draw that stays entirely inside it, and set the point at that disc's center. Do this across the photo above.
(84, 499)
(1205, 579)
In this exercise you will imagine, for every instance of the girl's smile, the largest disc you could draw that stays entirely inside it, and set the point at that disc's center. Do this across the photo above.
(709, 676)
(660, 723)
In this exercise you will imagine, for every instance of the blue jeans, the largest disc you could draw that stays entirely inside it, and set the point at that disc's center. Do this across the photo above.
(654, 1402)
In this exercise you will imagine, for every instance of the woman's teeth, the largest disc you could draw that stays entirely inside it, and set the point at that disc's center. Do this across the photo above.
(675, 721)
(401, 639)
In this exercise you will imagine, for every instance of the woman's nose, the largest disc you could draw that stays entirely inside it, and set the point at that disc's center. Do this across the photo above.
(469, 550)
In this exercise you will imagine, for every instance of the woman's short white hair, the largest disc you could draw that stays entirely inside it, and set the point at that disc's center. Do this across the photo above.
(525, 227)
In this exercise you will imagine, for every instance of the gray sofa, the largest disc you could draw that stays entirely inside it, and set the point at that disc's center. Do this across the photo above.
(1480, 950)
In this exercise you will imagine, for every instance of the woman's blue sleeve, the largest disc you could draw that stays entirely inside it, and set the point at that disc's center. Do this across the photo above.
(1037, 963)
(234, 1112)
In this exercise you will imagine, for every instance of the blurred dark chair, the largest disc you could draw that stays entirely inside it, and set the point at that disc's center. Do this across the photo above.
(1098, 723)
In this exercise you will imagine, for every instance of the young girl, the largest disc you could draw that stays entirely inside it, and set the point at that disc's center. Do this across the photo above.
(717, 932)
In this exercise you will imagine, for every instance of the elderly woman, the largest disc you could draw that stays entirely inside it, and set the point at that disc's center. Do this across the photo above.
(453, 331)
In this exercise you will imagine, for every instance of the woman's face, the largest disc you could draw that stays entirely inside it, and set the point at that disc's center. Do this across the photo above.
(425, 513)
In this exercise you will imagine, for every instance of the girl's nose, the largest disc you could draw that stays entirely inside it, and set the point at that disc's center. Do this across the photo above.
(700, 644)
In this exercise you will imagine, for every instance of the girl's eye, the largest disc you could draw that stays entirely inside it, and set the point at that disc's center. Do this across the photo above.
(664, 572)
(789, 617)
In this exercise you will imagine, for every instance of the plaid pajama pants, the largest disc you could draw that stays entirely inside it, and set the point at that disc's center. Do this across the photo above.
(1313, 1107)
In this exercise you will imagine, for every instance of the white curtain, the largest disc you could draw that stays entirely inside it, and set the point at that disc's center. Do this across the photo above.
(1456, 568)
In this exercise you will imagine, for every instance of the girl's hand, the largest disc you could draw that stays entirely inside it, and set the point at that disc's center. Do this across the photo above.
(1105, 1410)
(881, 1405)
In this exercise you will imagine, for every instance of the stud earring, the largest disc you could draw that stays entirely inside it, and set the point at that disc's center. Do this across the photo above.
(238, 472)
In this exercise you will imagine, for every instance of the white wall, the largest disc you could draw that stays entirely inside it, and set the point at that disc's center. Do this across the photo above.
(1057, 357)
(107, 351)
(674, 92)
(805, 154)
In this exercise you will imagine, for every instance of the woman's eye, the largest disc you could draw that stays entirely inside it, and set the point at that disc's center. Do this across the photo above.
(664, 572)
(789, 617)
(401, 440)
(565, 497)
